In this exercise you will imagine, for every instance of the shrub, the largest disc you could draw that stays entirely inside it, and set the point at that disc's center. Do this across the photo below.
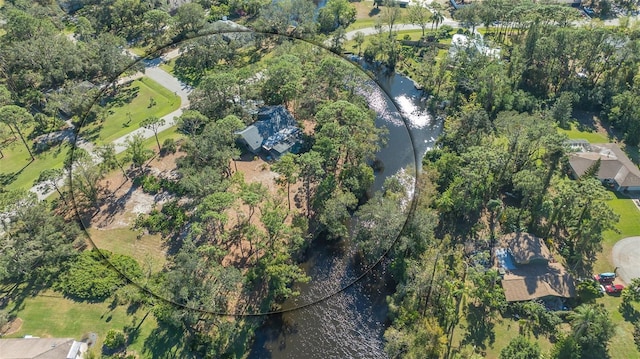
(90, 277)
(169, 146)
(114, 340)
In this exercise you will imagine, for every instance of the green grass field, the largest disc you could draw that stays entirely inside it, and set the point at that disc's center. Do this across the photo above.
(168, 66)
(19, 172)
(135, 105)
(51, 315)
(367, 15)
(575, 134)
(148, 248)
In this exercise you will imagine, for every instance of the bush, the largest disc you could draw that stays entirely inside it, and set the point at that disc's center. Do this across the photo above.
(90, 277)
(168, 146)
(114, 340)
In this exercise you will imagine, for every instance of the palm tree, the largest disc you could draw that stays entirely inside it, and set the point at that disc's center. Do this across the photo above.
(437, 19)
(582, 319)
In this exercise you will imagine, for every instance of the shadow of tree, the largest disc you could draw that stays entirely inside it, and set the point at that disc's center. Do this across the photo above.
(165, 342)
(480, 329)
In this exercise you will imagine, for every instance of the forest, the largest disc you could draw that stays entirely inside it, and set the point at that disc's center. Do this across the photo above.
(231, 246)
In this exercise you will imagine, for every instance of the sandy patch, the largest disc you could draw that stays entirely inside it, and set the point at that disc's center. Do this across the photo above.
(11, 327)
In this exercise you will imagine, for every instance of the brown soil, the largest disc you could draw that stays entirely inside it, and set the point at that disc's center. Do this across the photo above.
(11, 327)
(124, 204)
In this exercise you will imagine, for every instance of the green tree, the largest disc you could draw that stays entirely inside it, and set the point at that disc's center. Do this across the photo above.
(419, 15)
(288, 169)
(16, 117)
(520, 348)
(562, 109)
(137, 151)
(189, 18)
(114, 340)
(154, 124)
(109, 160)
(335, 14)
(192, 122)
(284, 80)
(592, 329)
(214, 96)
(359, 39)
(36, 245)
(49, 178)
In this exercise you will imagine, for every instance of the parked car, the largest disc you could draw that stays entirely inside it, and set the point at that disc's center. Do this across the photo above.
(613, 288)
(605, 278)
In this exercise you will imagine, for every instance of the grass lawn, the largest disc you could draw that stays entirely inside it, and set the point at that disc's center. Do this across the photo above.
(132, 105)
(621, 345)
(367, 15)
(628, 226)
(504, 330)
(51, 315)
(574, 133)
(148, 250)
(18, 171)
(168, 66)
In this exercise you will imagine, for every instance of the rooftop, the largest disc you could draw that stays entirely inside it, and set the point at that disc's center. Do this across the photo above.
(537, 281)
(41, 348)
(614, 163)
(526, 247)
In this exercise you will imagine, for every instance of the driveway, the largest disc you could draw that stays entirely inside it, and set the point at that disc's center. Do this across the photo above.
(626, 258)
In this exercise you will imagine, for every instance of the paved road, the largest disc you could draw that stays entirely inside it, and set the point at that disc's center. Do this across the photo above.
(626, 257)
(154, 72)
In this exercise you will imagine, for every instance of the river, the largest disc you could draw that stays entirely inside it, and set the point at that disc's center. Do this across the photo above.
(351, 323)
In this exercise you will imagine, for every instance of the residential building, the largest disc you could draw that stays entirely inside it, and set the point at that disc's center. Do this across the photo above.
(616, 169)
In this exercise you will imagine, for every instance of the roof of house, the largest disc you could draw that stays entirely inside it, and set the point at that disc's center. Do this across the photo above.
(536, 281)
(525, 247)
(274, 124)
(40, 348)
(614, 163)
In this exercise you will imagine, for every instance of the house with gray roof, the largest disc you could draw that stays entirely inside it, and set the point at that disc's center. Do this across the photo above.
(616, 169)
(42, 348)
(273, 134)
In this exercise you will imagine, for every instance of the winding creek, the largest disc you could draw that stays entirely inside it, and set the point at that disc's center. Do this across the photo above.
(351, 323)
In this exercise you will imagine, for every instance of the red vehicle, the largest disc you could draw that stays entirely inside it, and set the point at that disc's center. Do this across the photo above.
(613, 288)
(605, 278)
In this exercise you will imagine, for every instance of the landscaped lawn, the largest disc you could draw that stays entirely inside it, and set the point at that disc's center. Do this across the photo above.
(148, 250)
(51, 315)
(168, 66)
(628, 226)
(17, 169)
(367, 15)
(621, 345)
(136, 105)
(576, 134)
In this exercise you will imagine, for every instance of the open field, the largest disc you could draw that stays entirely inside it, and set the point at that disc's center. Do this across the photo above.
(504, 329)
(148, 250)
(17, 170)
(367, 15)
(592, 136)
(135, 105)
(51, 315)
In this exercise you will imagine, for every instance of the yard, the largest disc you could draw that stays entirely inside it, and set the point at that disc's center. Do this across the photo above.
(574, 133)
(141, 99)
(19, 172)
(51, 315)
(367, 15)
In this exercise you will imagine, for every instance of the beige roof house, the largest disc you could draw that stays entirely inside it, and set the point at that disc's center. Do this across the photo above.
(615, 167)
(526, 247)
(42, 348)
(530, 272)
(537, 281)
